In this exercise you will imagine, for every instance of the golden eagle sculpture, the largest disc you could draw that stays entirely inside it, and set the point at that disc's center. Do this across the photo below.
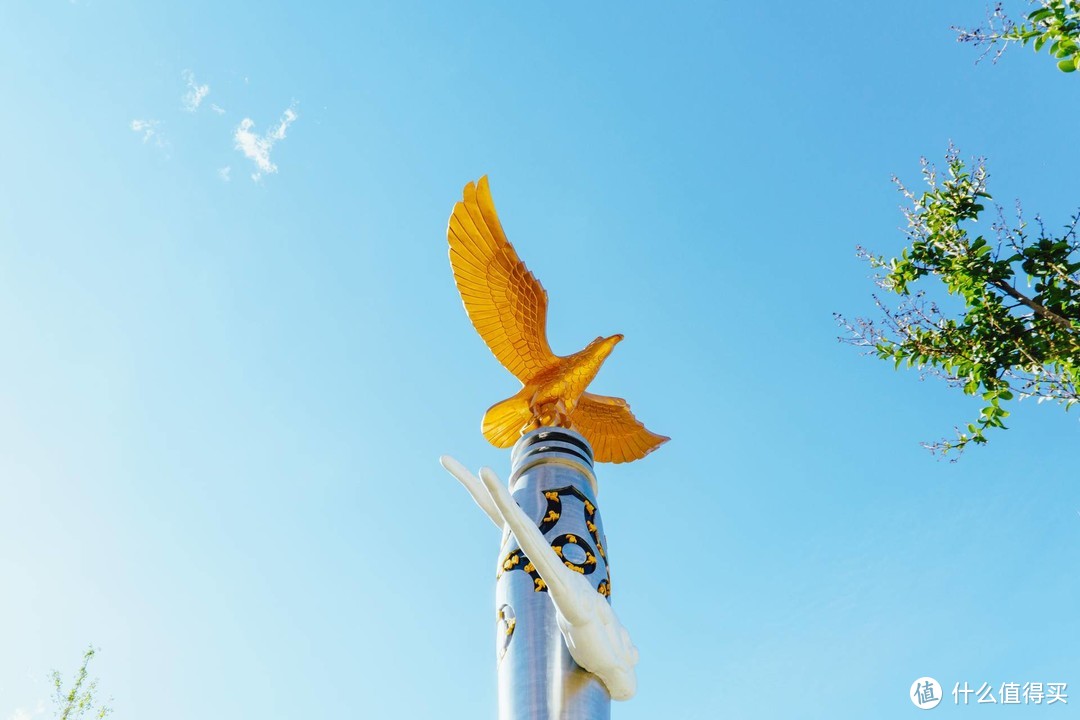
(508, 307)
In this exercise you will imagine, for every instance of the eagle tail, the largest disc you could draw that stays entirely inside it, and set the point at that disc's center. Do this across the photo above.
(504, 420)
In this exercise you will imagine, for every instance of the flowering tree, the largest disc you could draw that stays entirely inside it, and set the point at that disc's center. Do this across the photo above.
(1054, 24)
(1002, 320)
(1015, 331)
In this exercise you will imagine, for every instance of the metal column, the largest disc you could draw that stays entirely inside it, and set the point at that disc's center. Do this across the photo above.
(552, 480)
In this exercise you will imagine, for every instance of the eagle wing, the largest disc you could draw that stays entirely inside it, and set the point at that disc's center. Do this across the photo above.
(615, 434)
(507, 305)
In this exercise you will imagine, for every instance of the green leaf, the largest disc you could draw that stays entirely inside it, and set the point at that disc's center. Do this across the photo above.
(1067, 65)
(989, 339)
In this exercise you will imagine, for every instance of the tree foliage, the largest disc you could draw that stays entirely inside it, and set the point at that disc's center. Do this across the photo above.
(1003, 320)
(79, 700)
(1054, 24)
(1015, 330)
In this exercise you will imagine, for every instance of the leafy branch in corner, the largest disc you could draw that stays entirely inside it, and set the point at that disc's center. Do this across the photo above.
(78, 700)
(1054, 24)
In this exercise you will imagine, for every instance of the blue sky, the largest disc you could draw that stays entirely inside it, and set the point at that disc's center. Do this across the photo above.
(225, 397)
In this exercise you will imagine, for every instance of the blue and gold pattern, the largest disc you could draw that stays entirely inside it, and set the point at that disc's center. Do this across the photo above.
(517, 560)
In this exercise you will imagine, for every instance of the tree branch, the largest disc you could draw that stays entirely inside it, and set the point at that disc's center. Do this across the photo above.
(1039, 310)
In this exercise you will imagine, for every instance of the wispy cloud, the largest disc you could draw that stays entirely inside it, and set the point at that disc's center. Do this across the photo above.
(257, 147)
(195, 93)
(150, 130)
(24, 714)
(147, 128)
(217, 108)
(225, 173)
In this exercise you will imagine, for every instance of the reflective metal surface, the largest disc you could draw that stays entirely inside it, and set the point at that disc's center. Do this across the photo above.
(553, 482)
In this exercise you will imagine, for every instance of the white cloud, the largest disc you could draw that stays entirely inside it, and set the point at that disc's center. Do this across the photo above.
(195, 92)
(257, 148)
(148, 128)
(217, 108)
(224, 173)
(24, 714)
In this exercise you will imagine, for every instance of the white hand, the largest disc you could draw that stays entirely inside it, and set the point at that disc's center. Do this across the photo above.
(597, 641)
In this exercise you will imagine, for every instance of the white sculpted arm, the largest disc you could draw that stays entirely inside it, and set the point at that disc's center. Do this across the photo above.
(596, 639)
